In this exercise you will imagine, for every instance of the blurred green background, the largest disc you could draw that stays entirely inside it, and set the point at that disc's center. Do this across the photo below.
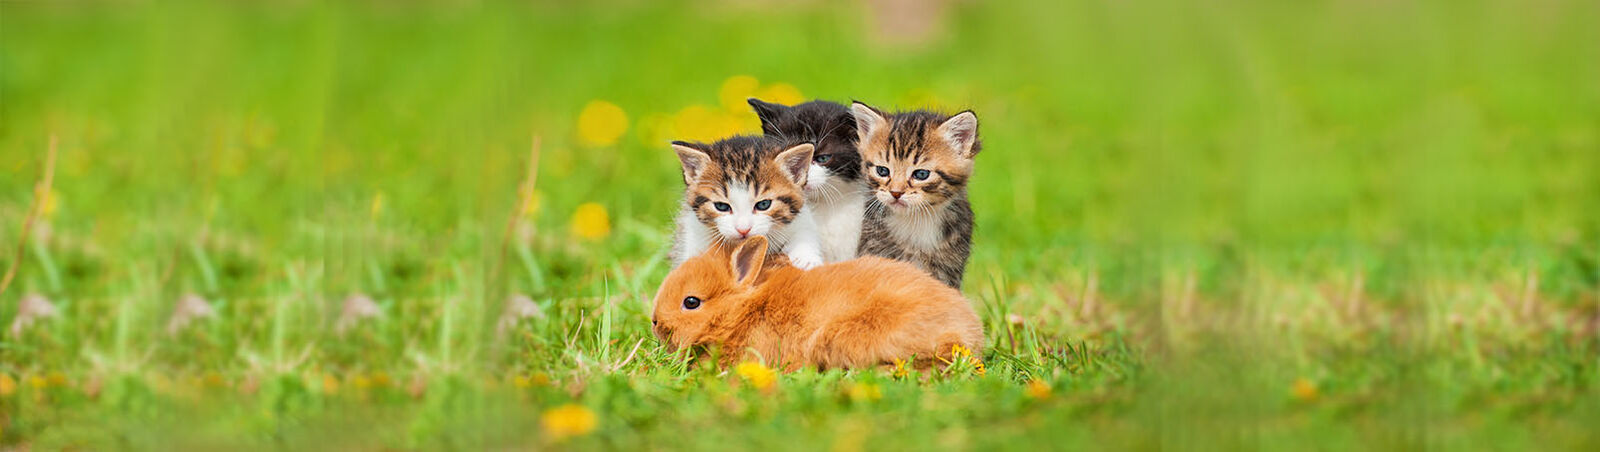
(1240, 224)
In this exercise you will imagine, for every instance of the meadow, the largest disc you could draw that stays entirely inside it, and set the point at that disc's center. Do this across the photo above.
(1234, 224)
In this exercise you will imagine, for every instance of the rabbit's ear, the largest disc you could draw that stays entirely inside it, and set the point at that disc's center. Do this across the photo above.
(748, 258)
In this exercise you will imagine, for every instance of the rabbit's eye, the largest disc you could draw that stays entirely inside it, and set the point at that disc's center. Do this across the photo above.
(722, 207)
(691, 303)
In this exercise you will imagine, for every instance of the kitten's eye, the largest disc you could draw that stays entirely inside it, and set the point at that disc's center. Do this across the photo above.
(883, 171)
(920, 174)
(722, 207)
(764, 204)
(691, 303)
(822, 159)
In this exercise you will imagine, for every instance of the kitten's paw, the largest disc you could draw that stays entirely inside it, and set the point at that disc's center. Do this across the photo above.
(806, 261)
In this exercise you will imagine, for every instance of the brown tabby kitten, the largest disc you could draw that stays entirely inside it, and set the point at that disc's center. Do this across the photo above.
(917, 164)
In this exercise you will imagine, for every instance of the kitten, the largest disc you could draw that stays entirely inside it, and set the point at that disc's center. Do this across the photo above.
(834, 190)
(917, 164)
(741, 187)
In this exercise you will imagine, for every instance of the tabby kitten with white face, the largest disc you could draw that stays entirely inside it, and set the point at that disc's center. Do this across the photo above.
(834, 190)
(917, 165)
(741, 187)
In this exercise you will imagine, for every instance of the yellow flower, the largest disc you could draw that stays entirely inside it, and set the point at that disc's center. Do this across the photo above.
(979, 369)
(601, 123)
(56, 380)
(381, 379)
(330, 384)
(756, 374)
(1304, 390)
(37, 382)
(958, 351)
(590, 221)
(1037, 390)
(901, 369)
(782, 93)
(735, 90)
(568, 420)
(865, 392)
(8, 385)
(361, 382)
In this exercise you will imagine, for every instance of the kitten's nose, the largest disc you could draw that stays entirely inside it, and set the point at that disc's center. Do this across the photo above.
(896, 194)
(743, 232)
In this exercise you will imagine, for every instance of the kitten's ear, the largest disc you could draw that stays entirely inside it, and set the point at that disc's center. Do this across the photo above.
(695, 161)
(796, 162)
(961, 131)
(768, 112)
(747, 259)
(868, 119)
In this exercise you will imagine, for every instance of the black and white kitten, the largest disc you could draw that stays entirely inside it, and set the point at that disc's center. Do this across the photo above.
(834, 190)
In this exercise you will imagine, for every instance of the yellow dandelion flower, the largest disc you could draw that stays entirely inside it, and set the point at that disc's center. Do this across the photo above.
(381, 379)
(601, 123)
(978, 369)
(1037, 390)
(865, 392)
(1304, 390)
(37, 382)
(756, 374)
(959, 351)
(901, 369)
(782, 93)
(521, 381)
(361, 382)
(568, 420)
(8, 385)
(330, 384)
(735, 90)
(591, 222)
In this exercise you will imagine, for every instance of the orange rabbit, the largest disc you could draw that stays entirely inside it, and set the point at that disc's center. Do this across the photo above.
(857, 313)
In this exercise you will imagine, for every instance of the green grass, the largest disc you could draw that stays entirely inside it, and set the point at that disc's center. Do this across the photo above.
(1209, 225)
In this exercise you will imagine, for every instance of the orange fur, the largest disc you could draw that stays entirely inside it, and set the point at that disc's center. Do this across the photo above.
(853, 314)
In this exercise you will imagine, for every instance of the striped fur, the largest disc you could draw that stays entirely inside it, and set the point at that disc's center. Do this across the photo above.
(926, 221)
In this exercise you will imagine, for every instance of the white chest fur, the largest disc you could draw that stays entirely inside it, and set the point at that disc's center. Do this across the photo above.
(921, 231)
(839, 224)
